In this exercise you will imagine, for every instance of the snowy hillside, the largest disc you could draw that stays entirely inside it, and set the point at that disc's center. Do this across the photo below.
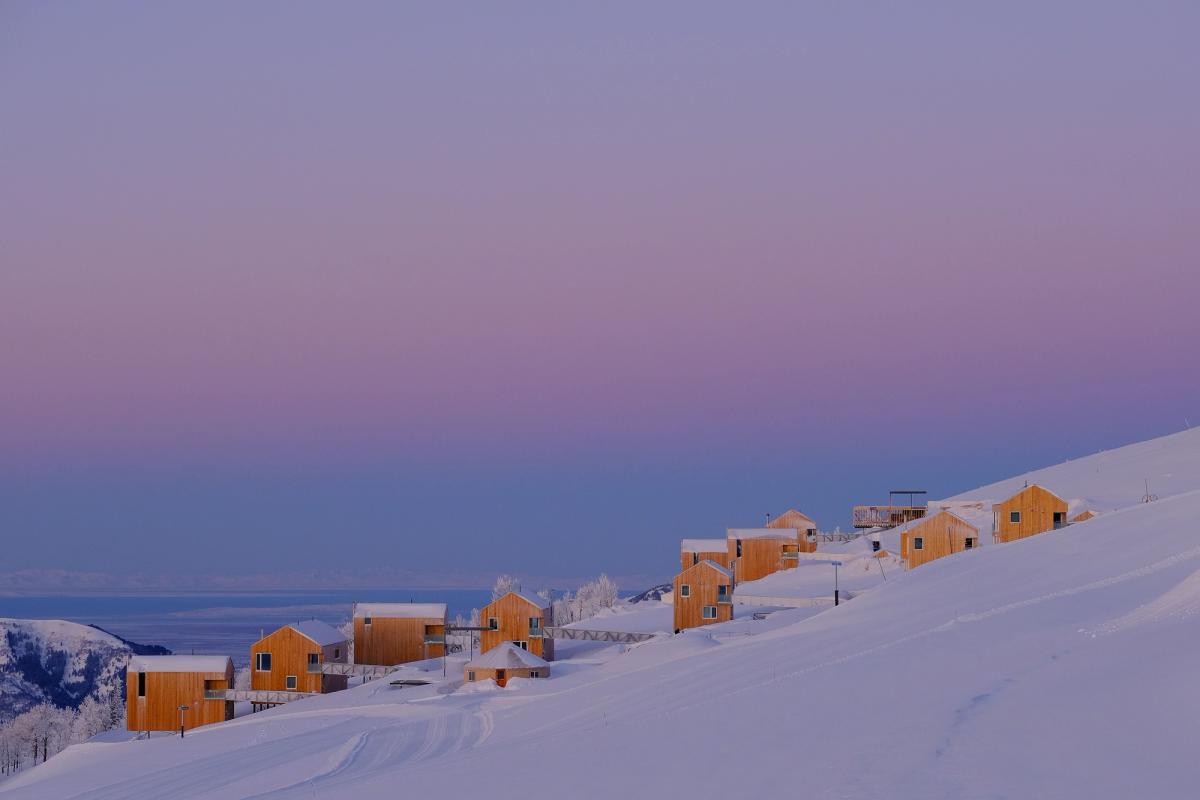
(1057, 666)
(57, 662)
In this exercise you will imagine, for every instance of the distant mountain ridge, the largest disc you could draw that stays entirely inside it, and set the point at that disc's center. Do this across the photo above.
(61, 663)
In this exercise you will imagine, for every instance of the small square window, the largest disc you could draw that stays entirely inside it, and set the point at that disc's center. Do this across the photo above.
(471, 675)
(314, 659)
(685, 590)
(366, 620)
(291, 683)
(970, 543)
(710, 612)
(918, 543)
(493, 624)
(1014, 517)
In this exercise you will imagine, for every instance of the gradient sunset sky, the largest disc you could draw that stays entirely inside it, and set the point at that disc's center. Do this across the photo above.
(546, 287)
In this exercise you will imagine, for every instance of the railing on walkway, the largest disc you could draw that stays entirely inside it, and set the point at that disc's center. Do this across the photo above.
(886, 516)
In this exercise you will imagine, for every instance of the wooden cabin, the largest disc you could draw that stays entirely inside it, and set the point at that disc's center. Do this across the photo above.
(803, 525)
(504, 662)
(1031, 511)
(693, 551)
(396, 633)
(290, 659)
(933, 537)
(703, 595)
(758, 552)
(518, 618)
(156, 686)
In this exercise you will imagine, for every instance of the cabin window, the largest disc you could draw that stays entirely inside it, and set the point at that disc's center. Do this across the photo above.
(710, 612)
(290, 685)
(314, 659)
(811, 534)
(522, 645)
(470, 674)
(875, 543)
(337, 653)
(970, 542)
(533, 673)
(918, 543)
(695, 558)
(722, 590)
(366, 620)
(499, 675)
(535, 623)
(739, 548)
(685, 590)
(141, 684)
(1014, 517)
(262, 662)
(493, 624)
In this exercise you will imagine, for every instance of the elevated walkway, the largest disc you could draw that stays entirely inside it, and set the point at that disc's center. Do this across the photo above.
(359, 670)
(260, 696)
(586, 635)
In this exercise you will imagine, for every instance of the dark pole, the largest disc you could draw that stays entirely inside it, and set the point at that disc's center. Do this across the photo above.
(835, 584)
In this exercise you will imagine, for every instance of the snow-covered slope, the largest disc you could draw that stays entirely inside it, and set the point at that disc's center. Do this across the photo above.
(57, 662)
(1059, 666)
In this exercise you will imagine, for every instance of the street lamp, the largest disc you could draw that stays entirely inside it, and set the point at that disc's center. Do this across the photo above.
(836, 564)
(181, 710)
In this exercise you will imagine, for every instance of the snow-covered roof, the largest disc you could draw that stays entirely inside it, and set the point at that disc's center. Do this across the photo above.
(708, 562)
(786, 518)
(762, 533)
(533, 599)
(701, 545)
(404, 610)
(321, 633)
(508, 656)
(178, 663)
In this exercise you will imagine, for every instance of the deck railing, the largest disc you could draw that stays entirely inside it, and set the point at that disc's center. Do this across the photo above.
(214, 694)
(886, 516)
(315, 667)
(435, 638)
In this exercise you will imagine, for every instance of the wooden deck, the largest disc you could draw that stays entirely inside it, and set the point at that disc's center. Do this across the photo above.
(886, 516)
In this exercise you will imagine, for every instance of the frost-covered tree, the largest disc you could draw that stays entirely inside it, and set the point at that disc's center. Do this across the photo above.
(92, 718)
(504, 584)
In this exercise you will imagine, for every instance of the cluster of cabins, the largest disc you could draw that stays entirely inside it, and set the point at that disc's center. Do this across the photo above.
(177, 693)
(167, 693)
(711, 568)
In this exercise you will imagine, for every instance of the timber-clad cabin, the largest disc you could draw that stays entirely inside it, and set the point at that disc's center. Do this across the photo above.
(396, 633)
(803, 525)
(1031, 511)
(290, 659)
(703, 595)
(156, 686)
(693, 551)
(758, 552)
(505, 662)
(520, 619)
(933, 537)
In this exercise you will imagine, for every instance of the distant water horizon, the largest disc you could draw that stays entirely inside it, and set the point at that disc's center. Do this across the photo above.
(217, 622)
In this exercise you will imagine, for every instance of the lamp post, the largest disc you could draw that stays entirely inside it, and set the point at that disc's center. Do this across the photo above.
(181, 710)
(836, 564)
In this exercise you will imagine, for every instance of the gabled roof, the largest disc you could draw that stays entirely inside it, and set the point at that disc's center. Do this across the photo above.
(788, 534)
(1026, 489)
(708, 562)
(702, 545)
(792, 519)
(508, 656)
(179, 663)
(532, 599)
(401, 610)
(322, 634)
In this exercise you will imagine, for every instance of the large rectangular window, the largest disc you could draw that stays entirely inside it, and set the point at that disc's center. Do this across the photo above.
(710, 612)
(262, 662)
(522, 645)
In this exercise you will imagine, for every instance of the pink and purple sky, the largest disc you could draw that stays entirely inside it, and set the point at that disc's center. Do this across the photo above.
(546, 288)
